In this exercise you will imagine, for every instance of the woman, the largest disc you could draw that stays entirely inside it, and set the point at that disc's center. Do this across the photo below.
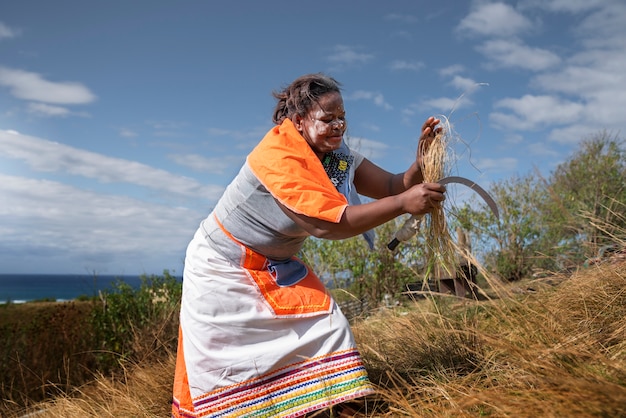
(260, 335)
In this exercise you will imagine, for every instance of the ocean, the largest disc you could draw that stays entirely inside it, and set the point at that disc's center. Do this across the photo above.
(20, 288)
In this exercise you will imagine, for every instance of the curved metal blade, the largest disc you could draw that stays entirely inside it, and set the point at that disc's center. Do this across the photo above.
(481, 192)
(411, 225)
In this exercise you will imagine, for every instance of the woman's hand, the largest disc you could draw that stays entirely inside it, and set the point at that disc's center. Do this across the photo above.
(414, 175)
(422, 198)
(429, 132)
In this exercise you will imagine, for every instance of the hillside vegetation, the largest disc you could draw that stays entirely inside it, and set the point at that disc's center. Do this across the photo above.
(552, 347)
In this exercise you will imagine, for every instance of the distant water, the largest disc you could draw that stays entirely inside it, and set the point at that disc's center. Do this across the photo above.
(20, 288)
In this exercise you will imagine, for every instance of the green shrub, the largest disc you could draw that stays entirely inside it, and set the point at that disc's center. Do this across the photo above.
(129, 323)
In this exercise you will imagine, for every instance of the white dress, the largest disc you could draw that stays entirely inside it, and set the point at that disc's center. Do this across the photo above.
(260, 334)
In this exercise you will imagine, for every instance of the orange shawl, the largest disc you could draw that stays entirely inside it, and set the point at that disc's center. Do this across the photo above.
(289, 169)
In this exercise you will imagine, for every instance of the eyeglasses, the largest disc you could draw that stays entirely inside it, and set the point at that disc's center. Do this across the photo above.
(338, 122)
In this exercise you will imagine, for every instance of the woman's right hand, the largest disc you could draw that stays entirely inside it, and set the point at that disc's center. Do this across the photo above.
(422, 198)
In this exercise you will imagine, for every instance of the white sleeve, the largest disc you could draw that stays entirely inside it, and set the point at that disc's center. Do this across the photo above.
(358, 158)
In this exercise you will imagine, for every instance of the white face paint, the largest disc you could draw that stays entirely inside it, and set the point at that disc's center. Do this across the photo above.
(323, 127)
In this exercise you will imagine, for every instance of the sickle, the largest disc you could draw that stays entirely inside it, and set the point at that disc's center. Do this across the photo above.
(411, 225)
(475, 187)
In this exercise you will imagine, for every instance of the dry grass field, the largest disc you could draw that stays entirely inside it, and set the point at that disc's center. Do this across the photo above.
(551, 347)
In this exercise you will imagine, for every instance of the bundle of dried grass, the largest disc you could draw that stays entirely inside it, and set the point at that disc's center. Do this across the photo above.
(439, 246)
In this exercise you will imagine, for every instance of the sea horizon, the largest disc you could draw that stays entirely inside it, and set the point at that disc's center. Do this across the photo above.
(25, 287)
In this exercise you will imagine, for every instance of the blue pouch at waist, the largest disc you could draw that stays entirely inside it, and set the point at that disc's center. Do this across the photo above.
(287, 272)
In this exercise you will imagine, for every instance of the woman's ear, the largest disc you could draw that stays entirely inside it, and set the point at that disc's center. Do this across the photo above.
(297, 122)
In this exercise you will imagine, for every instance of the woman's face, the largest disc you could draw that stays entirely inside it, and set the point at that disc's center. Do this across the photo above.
(324, 125)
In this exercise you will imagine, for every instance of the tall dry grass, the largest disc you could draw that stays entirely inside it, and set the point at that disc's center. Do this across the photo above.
(143, 390)
(553, 351)
(554, 347)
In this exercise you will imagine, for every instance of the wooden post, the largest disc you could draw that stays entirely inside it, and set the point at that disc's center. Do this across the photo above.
(445, 283)
(465, 280)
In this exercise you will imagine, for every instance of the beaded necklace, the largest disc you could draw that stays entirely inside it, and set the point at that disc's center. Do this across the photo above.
(337, 166)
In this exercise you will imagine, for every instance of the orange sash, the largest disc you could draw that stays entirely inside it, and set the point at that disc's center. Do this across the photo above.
(287, 166)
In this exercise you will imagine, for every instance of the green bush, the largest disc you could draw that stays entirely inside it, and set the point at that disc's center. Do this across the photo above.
(129, 323)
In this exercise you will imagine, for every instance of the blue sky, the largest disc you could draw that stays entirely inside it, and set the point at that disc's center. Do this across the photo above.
(121, 122)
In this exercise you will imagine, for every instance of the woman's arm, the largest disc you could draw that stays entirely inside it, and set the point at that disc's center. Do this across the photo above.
(418, 199)
(375, 182)
(372, 181)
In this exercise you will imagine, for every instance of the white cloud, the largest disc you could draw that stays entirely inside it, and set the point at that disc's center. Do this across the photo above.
(243, 134)
(536, 112)
(400, 65)
(344, 55)
(496, 164)
(201, 164)
(576, 95)
(402, 34)
(514, 54)
(32, 86)
(452, 70)
(43, 109)
(377, 98)
(447, 104)
(463, 83)
(572, 134)
(48, 110)
(598, 79)
(513, 138)
(93, 230)
(580, 80)
(416, 110)
(543, 149)
(7, 32)
(604, 27)
(372, 150)
(594, 75)
(47, 156)
(494, 19)
(127, 133)
(167, 128)
(371, 126)
(441, 105)
(569, 6)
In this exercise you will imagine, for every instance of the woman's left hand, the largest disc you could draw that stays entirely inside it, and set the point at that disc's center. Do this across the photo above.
(429, 131)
